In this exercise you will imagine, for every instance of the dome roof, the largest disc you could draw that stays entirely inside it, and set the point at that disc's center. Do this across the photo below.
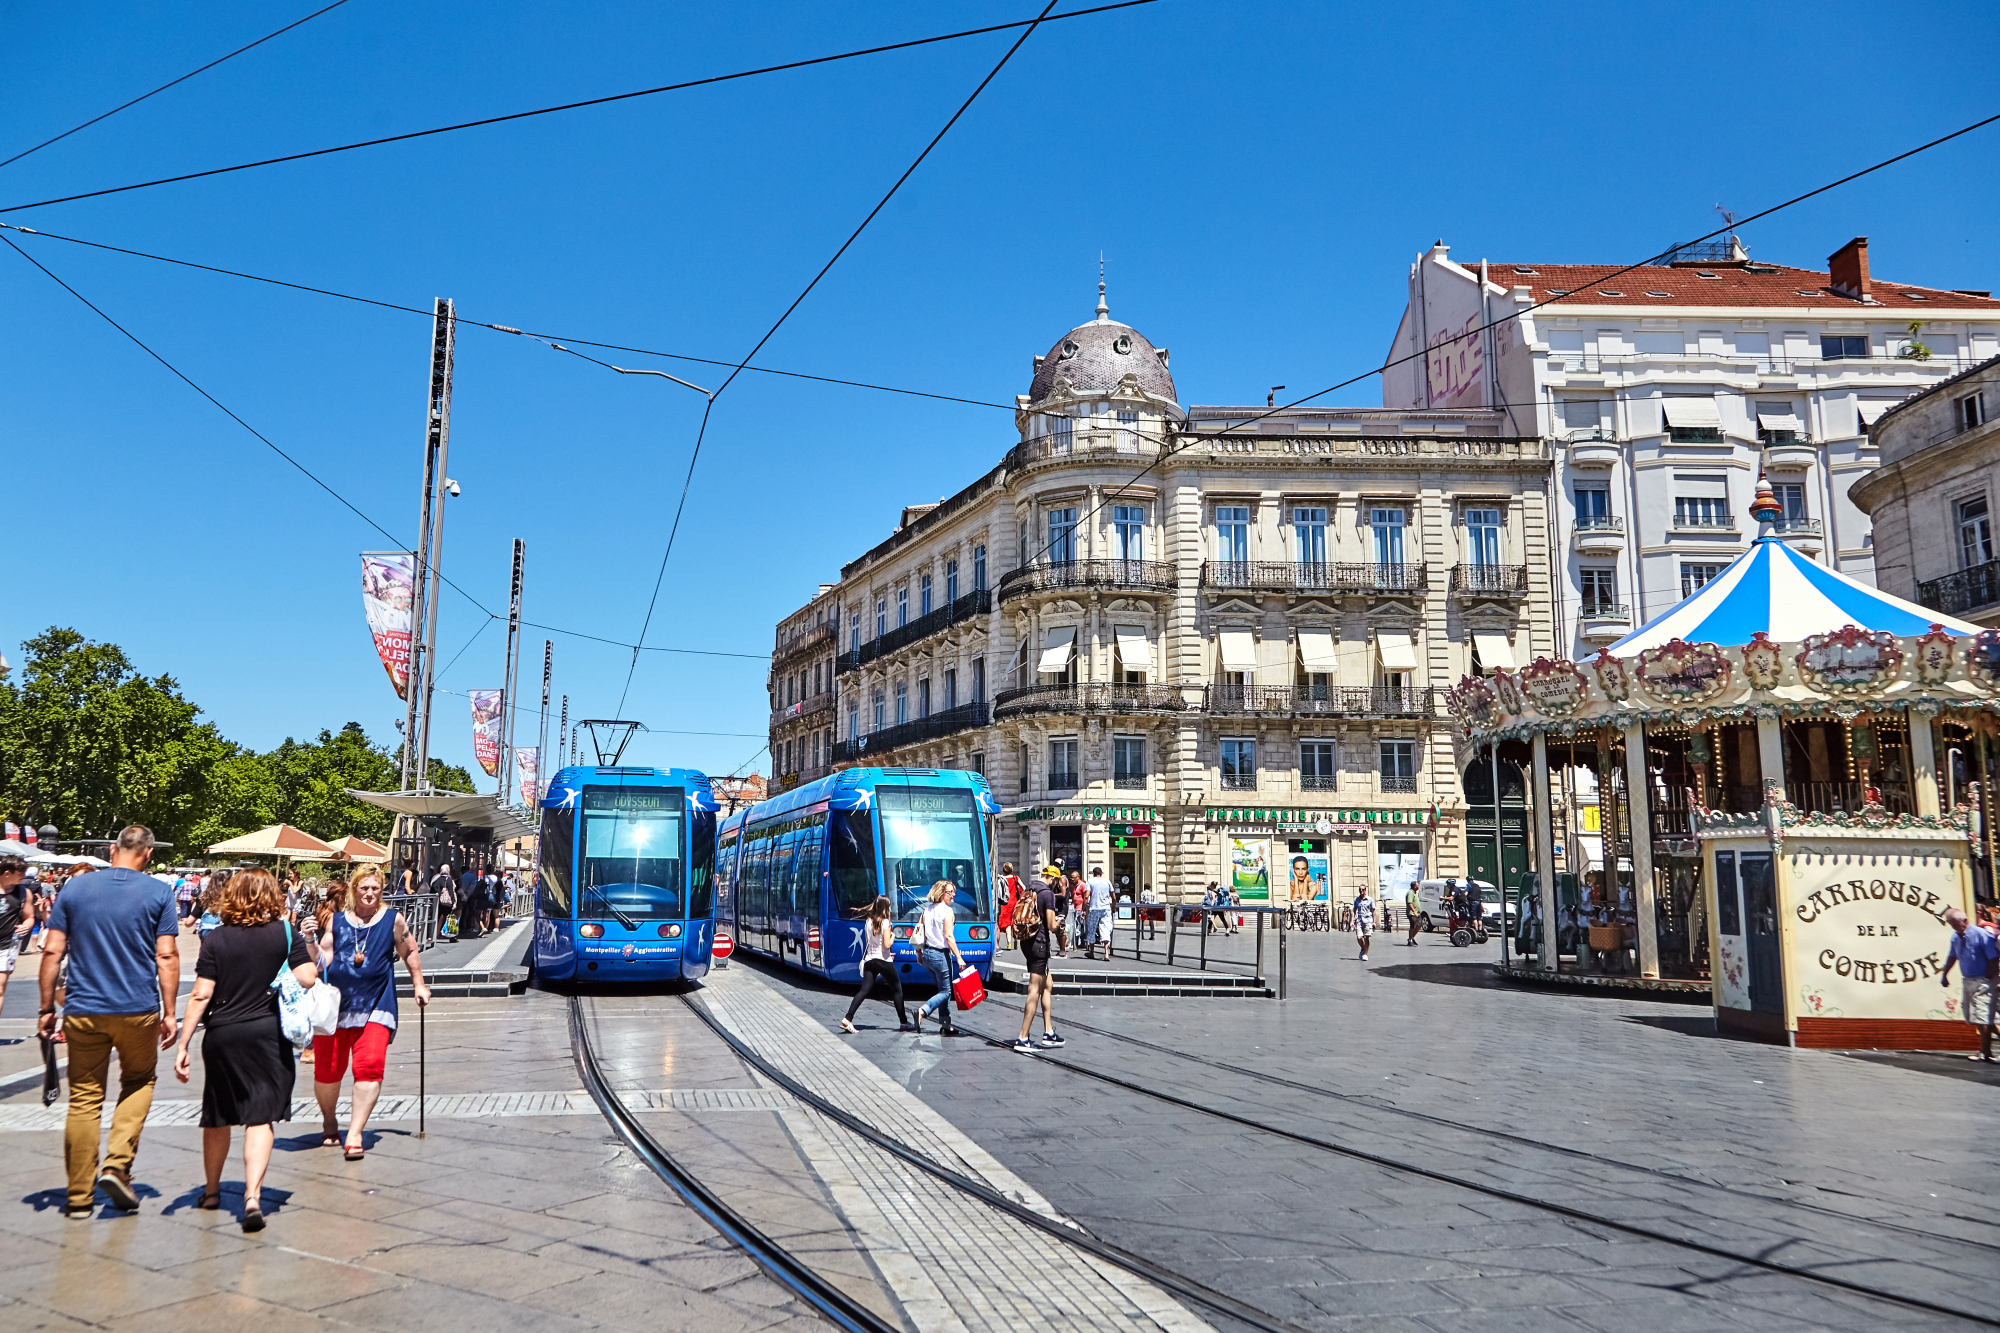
(1093, 358)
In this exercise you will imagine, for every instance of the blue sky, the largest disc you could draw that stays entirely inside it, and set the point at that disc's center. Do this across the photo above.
(1259, 177)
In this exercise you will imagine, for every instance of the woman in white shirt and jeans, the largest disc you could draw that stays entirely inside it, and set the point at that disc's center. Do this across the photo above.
(937, 949)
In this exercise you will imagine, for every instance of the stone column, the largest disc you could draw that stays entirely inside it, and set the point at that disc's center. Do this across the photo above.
(1545, 855)
(1923, 764)
(1639, 816)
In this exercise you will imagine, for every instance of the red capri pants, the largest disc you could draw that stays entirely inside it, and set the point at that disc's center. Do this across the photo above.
(369, 1047)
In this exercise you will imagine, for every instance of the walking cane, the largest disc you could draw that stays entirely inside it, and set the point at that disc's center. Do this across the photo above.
(422, 1009)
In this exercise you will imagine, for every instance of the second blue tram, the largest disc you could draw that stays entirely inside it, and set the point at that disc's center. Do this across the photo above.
(796, 874)
(625, 886)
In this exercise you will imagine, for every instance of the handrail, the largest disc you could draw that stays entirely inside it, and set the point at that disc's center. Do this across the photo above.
(937, 726)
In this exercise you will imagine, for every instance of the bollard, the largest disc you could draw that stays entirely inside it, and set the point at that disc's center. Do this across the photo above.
(1173, 930)
(1281, 958)
(1205, 917)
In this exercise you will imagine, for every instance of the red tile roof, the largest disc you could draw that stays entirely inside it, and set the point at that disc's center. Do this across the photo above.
(1731, 285)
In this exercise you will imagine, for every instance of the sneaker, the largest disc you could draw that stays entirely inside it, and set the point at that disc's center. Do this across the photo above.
(1023, 1044)
(1051, 1040)
(846, 1025)
(117, 1186)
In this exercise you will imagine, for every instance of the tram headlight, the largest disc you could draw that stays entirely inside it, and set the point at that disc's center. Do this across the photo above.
(980, 933)
(591, 930)
(671, 931)
(902, 932)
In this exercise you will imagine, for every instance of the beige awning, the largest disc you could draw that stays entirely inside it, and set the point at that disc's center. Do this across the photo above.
(1316, 650)
(1239, 650)
(354, 847)
(1060, 648)
(1133, 649)
(1495, 653)
(1871, 409)
(1398, 652)
(277, 840)
(1691, 413)
(1778, 418)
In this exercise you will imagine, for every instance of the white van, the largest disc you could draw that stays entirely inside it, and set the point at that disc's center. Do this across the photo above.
(1434, 911)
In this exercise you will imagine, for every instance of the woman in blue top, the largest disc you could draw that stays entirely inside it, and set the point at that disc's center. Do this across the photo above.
(357, 954)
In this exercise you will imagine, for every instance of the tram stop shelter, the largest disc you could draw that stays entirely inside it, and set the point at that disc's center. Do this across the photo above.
(1778, 829)
(447, 828)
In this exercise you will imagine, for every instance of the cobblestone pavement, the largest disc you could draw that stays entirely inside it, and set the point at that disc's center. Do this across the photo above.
(1865, 1167)
(492, 1221)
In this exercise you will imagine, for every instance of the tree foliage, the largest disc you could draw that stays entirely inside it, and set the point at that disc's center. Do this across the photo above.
(90, 745)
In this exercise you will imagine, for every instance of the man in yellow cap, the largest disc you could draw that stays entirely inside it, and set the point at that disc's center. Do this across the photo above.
(1035, 941)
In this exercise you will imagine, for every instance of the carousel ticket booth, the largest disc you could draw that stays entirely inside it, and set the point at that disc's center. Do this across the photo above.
(1794, 774)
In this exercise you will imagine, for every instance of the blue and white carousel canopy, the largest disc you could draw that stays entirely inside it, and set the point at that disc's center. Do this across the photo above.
(1775, 589)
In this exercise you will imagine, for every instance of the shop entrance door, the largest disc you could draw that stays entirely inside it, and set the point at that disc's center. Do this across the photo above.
(1066, 847)
(1125, 874)
(1760, 931)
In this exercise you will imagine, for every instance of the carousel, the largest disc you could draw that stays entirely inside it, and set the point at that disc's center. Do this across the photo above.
(1790, 773)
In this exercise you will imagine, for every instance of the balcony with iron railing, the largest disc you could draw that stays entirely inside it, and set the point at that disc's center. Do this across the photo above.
(1395, 580)
(1599, 534)
(1804, 533)
(1321, 700)
(1603, 621)
(1962, 590)
(1706, 524)
(1129, 781)
(1406, 785)
(1319, 782)
(1083, 443)
(1125, 575)
(859, 749)
(807, 707)
(815, 639)
(1489, 582)
(975, 603)
(1076, 697)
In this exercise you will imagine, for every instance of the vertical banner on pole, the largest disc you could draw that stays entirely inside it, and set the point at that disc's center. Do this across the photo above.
(486, 706)
(528, 761)
(388, 597)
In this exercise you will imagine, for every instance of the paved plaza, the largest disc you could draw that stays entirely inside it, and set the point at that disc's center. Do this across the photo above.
(518, 1206)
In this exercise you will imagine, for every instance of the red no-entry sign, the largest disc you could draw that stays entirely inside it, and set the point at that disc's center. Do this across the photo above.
(724, 946)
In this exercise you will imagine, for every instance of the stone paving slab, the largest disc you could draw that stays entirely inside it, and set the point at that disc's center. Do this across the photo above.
(1432, 1057)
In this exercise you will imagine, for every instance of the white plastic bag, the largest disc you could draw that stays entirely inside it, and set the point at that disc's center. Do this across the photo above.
(323, 1003)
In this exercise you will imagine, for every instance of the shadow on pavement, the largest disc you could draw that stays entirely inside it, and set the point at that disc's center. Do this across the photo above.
(1477, 975)
(1950, 1064)
(1688, 1025)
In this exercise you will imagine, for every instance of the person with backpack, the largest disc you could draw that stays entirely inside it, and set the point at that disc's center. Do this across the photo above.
(878, 965)
(1037, 918)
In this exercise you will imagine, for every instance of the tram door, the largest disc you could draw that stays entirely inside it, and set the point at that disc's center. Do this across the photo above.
(1760, 930)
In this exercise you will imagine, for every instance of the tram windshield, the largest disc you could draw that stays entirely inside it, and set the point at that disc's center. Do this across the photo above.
(929, 834)
(632, 840)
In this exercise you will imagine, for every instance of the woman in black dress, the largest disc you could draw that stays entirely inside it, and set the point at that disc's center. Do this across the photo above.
(247, 1065)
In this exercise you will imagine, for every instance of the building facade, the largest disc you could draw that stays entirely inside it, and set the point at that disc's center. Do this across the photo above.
(1202, 644)
(1667, 388)
(802, 695)
(1934, 499)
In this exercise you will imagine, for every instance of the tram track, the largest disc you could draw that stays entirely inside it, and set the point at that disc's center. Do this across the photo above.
(1565, 1211)
(1522, 1140)
(791, 1273)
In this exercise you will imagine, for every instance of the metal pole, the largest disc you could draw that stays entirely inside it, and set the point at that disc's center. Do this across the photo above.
(1173, 929)
(422, 1063)
(1260, 946)
(1207, 919)
(437, 454)
(542, 737)
(507, 700)
(1281, 958)
(562, 733)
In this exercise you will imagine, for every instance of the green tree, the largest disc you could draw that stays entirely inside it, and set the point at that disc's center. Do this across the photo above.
(313, 779)
(88, 744)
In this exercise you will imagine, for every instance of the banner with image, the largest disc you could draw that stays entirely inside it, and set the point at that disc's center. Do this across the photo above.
(529, 762)
(1305, 873)
(1250, 869)
(388, 596)
(486, 705)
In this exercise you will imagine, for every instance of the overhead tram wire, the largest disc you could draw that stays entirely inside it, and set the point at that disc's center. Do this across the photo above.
(316, 480)
(1529, 309)
(171, 83)
(463, 322)
(779, 323)
(1029, 24)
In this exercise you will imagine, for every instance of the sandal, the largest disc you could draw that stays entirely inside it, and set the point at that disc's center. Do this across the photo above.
(210, 1201)
(355, 1152)
(329, 1138)
(253, 1219)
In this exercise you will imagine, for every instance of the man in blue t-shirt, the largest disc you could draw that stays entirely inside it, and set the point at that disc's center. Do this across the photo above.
(121, 934)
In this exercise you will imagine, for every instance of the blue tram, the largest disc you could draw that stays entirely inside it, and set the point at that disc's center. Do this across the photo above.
(625, 888)
(796, 874)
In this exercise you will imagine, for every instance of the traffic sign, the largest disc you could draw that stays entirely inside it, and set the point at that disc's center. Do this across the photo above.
(724, 945)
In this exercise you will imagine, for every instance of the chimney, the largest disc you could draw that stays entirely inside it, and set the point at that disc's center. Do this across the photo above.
(1849, 269)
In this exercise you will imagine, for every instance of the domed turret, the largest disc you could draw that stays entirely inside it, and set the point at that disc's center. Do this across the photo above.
(1095, 359)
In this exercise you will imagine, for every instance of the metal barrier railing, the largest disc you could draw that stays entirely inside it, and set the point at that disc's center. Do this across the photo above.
(1201, 920)
(420, 915)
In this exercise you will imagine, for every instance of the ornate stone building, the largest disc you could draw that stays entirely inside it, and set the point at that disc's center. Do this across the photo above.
(1187, 645)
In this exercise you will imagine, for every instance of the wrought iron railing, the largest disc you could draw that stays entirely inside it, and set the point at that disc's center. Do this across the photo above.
(1292, 576)
(1088, 697)
(1347, 701)
(818, 637)
(1963, 589)
(1138, 575)
(1604, 611)
(807, 707)
(1319, 782)
(1129, 782)
(1600, 523)
(1062, 782)
(975, 603)
(1239, 782)
(1398, 784)
(1796, 527)
(935, 727)
(1490, 580)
